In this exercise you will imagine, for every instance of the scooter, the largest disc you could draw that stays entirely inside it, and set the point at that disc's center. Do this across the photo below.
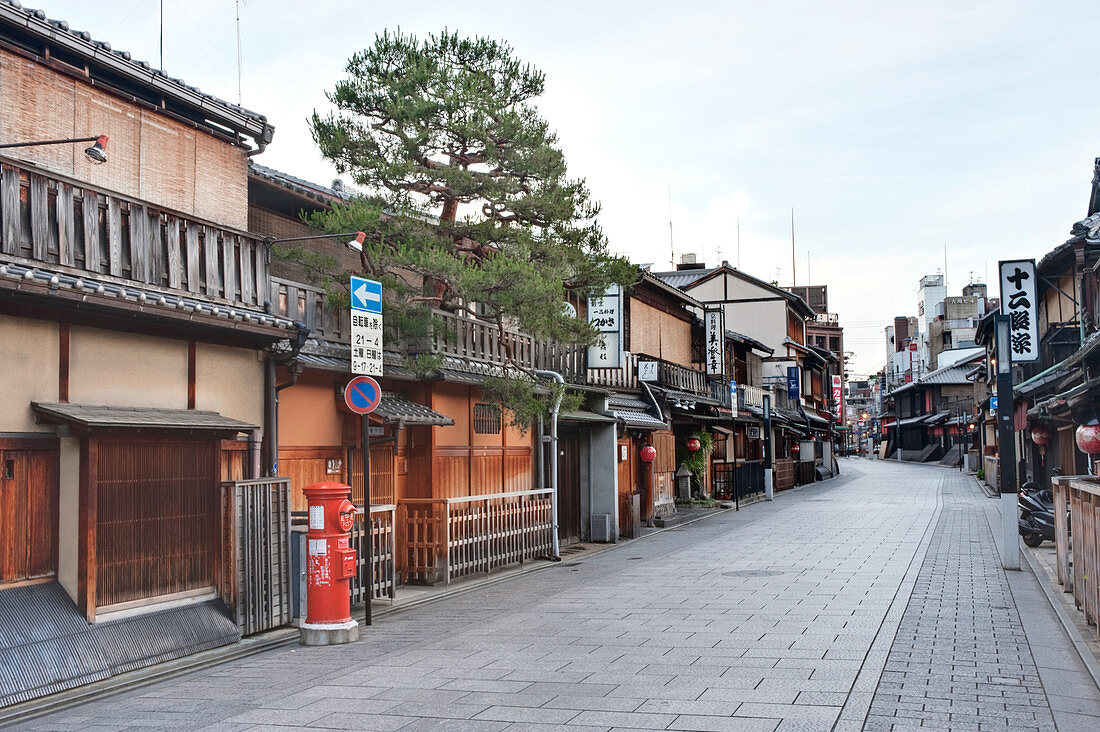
(1036, 514)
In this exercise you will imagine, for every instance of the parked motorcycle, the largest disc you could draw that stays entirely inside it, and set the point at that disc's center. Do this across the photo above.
(1036, 514)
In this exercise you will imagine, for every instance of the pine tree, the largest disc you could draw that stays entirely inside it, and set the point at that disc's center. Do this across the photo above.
(470, 198)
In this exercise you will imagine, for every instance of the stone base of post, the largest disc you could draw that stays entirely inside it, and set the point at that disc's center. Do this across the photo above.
(1010, 535)
(329, 634)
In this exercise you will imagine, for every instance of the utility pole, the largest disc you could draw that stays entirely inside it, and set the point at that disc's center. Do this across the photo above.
(794, 279)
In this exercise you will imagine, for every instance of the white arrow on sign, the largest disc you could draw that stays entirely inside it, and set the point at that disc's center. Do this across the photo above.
(361, 294)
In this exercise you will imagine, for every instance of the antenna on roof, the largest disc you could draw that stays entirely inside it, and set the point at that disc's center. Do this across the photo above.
(738, 242)
(162, 35)
(238, 5)
(794, 272)
(671, 245)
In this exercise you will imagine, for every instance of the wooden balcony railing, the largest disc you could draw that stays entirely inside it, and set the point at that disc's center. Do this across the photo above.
(1077, 505)
(53, 221)
(669, 375)
(442, 539)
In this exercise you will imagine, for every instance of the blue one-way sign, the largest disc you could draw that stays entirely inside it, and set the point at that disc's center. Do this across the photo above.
(366, 295)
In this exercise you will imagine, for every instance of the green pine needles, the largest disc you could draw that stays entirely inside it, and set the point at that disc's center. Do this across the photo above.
(470, 207)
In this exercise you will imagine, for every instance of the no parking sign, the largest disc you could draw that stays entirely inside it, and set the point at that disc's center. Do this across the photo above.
(362, 394)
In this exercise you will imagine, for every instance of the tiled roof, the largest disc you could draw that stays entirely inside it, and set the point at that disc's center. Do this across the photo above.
(138, 417)
(395, 408)
(145, 295)
(683, 278)
(948, 375)
(101, 54)
(299, 185)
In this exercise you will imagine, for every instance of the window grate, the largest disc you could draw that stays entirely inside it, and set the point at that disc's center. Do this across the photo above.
(486, 419)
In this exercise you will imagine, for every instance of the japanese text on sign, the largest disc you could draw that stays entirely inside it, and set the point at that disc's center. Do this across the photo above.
(716, 343)
(1019, 303)
(366, 327)
(605, 316)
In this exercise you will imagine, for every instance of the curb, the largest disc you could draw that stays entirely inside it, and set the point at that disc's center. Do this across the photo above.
(1075, 637)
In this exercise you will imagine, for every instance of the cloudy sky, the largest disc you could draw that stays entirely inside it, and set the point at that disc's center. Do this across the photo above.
(892, 129)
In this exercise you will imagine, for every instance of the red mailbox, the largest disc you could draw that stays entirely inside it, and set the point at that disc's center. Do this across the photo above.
(330, 565)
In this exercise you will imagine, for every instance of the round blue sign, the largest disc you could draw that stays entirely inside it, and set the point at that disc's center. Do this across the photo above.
(362, 394)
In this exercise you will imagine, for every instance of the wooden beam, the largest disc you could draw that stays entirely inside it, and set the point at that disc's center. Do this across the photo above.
(10, 209)
(191, 367)
(89, 490)
(63, 363)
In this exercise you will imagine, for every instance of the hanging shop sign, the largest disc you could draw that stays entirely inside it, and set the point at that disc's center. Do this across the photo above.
(1020, 304)
(605, 315)
(715, 343)
(793, 391)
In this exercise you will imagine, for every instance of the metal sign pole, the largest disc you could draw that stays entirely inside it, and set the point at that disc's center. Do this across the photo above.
(369, 552)
(769, 488)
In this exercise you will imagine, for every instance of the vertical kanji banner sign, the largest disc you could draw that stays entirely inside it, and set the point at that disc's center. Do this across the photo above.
(605, 314)
(1020, 304)
(716, 343)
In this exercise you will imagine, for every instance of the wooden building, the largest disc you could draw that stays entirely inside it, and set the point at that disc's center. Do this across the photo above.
(443, 455)
(134, 329)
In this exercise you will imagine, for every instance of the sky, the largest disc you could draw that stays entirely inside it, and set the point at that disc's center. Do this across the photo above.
(906, 137)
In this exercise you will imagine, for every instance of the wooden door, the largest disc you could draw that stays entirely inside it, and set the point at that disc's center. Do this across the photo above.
(28, 513)
(569, 488)
(157, 505)
(626, 484)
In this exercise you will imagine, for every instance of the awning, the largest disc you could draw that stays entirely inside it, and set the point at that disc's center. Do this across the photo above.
(938, 418)
(396, 409)
(634, 419)
(817, 419)
(912, 420)
(583, 415)
(103, 417)
(675, 395)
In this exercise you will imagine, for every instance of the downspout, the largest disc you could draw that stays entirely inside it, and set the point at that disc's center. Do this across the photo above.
(554, 458)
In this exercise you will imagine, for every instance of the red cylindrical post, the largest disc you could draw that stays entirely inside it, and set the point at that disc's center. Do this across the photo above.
(330, 565)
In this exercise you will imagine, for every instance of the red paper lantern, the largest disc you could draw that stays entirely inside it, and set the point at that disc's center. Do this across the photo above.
(795, 447)
(1040, 434)
(693, 444)
(648, 454)
(1088, 438)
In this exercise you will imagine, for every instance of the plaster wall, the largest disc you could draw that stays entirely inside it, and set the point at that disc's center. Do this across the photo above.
(28, 371)
(308, 413)
(230, 381)
(68, 515)
(126, 369)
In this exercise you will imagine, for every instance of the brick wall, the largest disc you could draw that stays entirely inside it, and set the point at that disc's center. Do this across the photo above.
(150, 156)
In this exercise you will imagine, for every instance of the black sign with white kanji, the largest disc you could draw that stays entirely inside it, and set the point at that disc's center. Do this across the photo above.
(1020, 304)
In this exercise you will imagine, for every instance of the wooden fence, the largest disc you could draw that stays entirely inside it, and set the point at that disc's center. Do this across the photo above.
(255, 569)
(784, 474)
(382, 550)
(738, 481)
(49, 219)
(1077, 505)
(443, 539)
(805, 472)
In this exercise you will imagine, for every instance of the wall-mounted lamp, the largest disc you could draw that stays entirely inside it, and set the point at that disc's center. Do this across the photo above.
(97, 153)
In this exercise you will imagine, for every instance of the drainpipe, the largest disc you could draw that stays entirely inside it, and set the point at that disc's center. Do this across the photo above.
(271, 429)
(255, 440)
(554, 458)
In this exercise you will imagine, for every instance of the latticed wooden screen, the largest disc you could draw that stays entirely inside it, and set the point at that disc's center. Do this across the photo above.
(156, 513)
(486, 419)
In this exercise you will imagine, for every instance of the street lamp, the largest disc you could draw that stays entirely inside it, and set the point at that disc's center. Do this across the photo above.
(355, 244)
(97, 153)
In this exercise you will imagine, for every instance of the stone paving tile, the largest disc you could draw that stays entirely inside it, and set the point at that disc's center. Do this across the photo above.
(675, 641)
(960, 657)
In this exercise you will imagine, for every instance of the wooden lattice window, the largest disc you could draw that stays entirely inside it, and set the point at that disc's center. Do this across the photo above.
(486, 419)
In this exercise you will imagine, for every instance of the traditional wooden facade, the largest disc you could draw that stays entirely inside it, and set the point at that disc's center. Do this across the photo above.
(443, 456)
(134, 328)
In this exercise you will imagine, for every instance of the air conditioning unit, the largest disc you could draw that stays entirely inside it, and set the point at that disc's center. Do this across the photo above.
(601, 527)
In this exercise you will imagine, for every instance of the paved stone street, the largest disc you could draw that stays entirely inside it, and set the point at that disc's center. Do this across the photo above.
(874, 600)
